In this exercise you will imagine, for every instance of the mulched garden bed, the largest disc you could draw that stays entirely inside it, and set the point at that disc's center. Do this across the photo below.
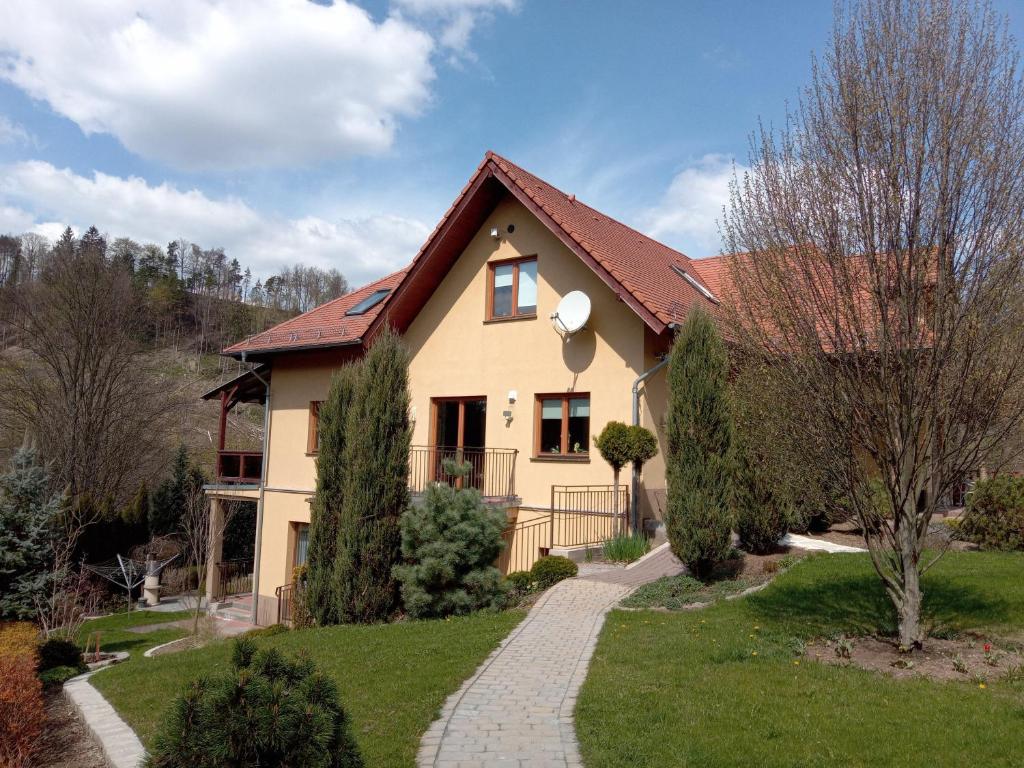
(65, 742)
(969, 659)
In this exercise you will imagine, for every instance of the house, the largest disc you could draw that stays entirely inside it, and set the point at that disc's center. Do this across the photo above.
(492, 379)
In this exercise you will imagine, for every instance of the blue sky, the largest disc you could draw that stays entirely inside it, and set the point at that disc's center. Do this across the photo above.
(338, 134)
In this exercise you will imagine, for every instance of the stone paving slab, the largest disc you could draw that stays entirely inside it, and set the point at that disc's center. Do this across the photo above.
(518, 708)
(119, 743)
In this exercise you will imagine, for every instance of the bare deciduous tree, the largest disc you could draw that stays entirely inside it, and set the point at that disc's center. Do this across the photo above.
(75, 379)
(200, 529)
(881, 236)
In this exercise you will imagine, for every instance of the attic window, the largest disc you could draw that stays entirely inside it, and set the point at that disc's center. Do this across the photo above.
(369, 302)
(695, 283)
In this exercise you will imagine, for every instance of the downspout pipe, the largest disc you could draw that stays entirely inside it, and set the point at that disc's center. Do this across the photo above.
(634, 492)
(259, 504)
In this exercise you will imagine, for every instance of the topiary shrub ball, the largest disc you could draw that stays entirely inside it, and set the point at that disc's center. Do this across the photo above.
(59, 653)
(552, 569)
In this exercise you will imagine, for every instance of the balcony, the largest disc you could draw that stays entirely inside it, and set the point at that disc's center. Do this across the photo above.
(239, 467)
(492, 470)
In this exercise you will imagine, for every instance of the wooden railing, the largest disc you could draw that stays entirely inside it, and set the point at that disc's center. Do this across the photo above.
(492, 470)
(239, 466)
(234, 577)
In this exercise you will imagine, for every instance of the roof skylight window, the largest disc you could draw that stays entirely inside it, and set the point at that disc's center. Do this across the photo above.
(369, 302)
(695, 283)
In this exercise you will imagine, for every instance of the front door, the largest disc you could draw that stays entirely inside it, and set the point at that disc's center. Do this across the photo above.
(460, 425)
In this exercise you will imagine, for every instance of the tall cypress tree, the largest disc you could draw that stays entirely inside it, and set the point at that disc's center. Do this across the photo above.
(330, 493)
(376, 459)
(699, 457)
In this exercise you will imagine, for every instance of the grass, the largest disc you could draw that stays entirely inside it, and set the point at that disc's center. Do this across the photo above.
(625, 547)
(677, 592)
(393, 678)
(114, 634)
(724, 686)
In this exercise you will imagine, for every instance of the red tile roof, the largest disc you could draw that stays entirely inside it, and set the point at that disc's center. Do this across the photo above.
(325, 326)
(645, 273)
(641, 265)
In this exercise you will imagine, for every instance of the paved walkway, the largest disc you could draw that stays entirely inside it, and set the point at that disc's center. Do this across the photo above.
(517, 709)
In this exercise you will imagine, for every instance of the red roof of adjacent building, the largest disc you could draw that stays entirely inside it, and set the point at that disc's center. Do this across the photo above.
(325, 326)
(658, 282)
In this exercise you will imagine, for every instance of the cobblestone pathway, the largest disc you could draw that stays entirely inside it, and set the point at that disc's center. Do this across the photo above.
(517, 709)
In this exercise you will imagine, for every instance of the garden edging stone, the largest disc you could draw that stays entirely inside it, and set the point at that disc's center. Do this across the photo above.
(121, 746)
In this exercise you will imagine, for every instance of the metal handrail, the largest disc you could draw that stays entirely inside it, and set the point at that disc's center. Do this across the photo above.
(492, 471)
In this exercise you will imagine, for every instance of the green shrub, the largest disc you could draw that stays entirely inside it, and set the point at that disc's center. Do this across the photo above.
(699, 456)
(626, 547)
(450, 543)
(57, 652)
(520, 582)
(994, 518)
(762, 518)
(273, 629)
(59, 675)
(267, 710)
(552, 569)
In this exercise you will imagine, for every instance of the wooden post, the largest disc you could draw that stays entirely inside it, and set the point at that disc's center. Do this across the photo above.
(223, 421)
(216, 550)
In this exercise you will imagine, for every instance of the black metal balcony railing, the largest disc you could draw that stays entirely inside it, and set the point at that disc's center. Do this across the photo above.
(239, 466)
(492, 470)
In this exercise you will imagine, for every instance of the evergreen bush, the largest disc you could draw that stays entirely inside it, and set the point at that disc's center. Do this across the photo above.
(699, 455)
(320, 599)
(376, 484)
(58, 652)
(267, 710)
(29, 515)
(520, 583)
(994, 518)
(551, 569)
(762, 518)
(450, 543)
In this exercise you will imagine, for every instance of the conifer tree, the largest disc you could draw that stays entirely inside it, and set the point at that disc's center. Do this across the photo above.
(29, 517)
(376, 484)
(699, 456)
(330, 493)
(450, 543)
(762, 516)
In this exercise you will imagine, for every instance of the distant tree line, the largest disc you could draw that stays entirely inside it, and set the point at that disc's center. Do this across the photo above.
(191, 296)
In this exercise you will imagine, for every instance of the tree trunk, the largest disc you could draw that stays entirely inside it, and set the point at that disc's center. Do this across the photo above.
(909, 608)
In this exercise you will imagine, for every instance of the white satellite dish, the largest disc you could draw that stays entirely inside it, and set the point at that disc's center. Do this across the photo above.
(572, 313)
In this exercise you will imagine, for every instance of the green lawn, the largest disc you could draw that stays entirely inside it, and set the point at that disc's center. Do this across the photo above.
(720, 687)
(392, 678)
(114, 634)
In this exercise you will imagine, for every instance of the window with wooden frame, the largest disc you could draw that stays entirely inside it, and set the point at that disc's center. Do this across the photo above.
(562, 425)
(512, 289)
(313, 435)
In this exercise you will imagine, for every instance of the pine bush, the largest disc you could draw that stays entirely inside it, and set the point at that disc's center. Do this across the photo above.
(450, 543)
(699, 455)
(320, 599)
(267, 710)
(376, 484)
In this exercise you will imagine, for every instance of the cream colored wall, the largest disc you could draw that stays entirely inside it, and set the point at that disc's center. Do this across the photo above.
(280, 511)
(653, 406)
(455, 353)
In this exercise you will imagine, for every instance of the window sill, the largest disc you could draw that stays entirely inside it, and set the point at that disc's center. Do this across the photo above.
(512, 319)
(314, 454)
(562, 458)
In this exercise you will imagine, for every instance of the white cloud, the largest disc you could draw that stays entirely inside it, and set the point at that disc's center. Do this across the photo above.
(362, 249)
(689, 211)
(205, 84)
(457, 17)
(12, 133)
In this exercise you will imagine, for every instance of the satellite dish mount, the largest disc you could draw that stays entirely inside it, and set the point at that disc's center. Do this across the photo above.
(572, 314)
